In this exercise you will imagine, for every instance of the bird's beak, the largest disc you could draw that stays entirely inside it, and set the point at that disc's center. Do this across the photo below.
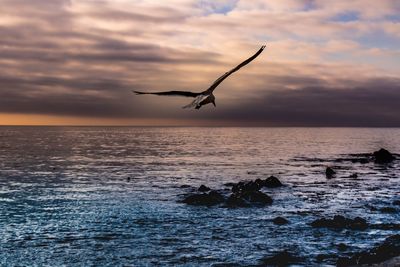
(214, 103)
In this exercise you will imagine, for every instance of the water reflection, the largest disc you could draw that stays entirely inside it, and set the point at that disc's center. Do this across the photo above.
(65, 198)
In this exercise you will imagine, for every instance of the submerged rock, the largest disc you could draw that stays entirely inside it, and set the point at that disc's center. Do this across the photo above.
(396, 202)
(280, 221)
(390, 248)
(342, 247)
(354, 175)
(270, 182)
(206, 199)
(383, 156)
(388, 210)
(329, 172)
(283, 258)
(386, 226)
(203, 188)
(341, 222)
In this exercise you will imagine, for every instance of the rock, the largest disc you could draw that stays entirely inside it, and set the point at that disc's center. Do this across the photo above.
(283, 258)
(340, 222)
(354, 175)
(206, 199)
(272, 182)
(388, 210)
(244, 199)
(244, 194)
(203, 188)
(246, 187)
(185, 186)
(386, 226)
(280, 221)
(257, 197)
(329, 172)
(342, 247)
(390, 248)
(383, 156)
(343, 261)
(234, 201)
(323, 257)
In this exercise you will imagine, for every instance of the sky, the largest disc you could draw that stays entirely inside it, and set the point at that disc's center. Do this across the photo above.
(75, 62)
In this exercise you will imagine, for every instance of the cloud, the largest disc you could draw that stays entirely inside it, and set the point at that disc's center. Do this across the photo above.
(373, 103)
(82, 58)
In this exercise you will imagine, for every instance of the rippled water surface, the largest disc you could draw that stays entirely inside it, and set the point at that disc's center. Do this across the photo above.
(66, 199)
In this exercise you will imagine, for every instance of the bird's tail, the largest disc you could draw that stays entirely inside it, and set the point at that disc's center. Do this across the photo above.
(196, 101)
(191, 105)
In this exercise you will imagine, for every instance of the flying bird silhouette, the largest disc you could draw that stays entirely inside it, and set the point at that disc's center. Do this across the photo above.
(207, 96)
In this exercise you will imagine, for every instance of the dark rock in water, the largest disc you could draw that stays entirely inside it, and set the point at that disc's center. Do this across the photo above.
(323, 257)
(388, 210)
(256, 185)
(386, 226)
(390, 248)
(272, 182)
(329, 172)
(283, 258)
(354, 175)
(396, 202)
(206, 199)
(257, 197)
(248, 199)
(246, 187)
(244, 194)
(235, 201)
(185, 186)
(383, 156)
(342, 247)
(280, 221)
(341, 222)
(238, 187)
(259, 182)
(203, 188)
(343, 261)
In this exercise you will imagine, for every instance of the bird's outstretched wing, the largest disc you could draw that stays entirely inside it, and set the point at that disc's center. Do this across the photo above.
(169, 93)
(244, 63)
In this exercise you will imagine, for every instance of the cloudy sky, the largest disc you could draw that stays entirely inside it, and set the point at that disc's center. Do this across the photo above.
(327, 62)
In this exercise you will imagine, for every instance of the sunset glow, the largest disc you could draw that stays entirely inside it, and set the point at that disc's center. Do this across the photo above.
(327, 63)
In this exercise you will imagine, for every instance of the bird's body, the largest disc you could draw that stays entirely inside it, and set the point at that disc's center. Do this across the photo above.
(207, 96)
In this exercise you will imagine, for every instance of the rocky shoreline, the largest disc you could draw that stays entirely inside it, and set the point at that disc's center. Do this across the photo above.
(251, 194)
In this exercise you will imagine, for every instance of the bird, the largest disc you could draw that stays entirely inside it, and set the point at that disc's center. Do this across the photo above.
(207, 96)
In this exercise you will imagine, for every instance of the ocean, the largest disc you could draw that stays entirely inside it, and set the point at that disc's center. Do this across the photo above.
(111, 196)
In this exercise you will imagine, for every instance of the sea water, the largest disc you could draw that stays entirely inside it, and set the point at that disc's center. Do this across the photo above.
(110, 196)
